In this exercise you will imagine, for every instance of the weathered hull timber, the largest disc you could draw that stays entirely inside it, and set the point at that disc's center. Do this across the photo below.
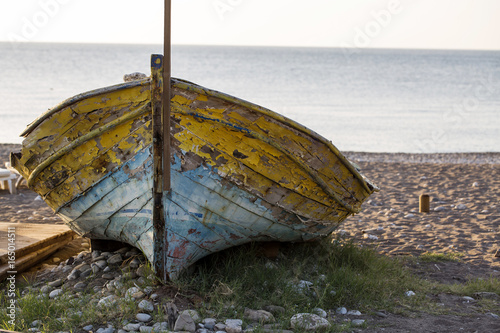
(239, 172)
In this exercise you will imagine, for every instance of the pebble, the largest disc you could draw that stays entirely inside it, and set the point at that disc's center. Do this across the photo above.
(439, 209)
(409, 216)
(410, 293)
(358, 322)
(371, 237)
(353, 313)
(341, 311)
(309, 322)
(107, 301)
(88, 328)
(57, 283)
(261, 316)
(55, 293)
(233, 325)
(320, 312)
(146, 305)
(115, 259)
(461, 207)
(131, 327)
(184, 323)
(143, 317)
(80, 286)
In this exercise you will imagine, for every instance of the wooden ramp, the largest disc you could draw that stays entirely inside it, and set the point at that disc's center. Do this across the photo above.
(30, 243)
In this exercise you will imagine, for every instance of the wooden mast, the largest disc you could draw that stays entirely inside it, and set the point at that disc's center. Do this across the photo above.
(166, 96)
(160, 103)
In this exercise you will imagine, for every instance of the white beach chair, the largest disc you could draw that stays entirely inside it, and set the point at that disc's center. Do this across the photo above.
(7, 179)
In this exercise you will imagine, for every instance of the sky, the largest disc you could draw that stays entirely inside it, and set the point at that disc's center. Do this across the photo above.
(422, 24)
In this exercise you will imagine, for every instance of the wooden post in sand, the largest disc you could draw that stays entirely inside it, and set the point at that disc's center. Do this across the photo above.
(423, 203)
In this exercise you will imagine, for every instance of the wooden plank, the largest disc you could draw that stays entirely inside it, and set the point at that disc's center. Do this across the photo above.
(32, 243)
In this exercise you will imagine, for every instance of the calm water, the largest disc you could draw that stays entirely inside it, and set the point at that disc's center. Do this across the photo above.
(361, 100)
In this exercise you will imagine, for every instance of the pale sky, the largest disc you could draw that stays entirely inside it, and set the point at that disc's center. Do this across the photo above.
(430, 24)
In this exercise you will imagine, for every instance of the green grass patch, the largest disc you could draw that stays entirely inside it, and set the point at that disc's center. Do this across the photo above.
(327, 274)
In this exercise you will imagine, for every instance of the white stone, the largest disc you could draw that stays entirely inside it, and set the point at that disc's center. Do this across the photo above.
(409, 216)
(461, 207)
(107, 301)
(439, 209)
(146, 305)
(233, 325)
(55, 293)
(353, 313)
(132, 327)
(358, 322)
(143, 317)
(309, 322)
(410, 293)
(320, 312)
(341, 311)
(131, 291)
(370, 237)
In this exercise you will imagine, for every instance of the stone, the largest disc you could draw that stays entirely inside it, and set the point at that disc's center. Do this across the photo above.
(184, 323)
(341, 311)
(439, 209)
(131, 327)
(88, 328)
(107, 301)
(143, 317)
(353, 313)
(108, 276)
(274, 309)
(409, 216)
(194, 314)
(487, 295)
(358, 322)
(46, 289)
(220, 327)
(57, 283)
(370, 237)
(309, 322)
(115, 259)
(101, 264)
(80, 286)
(410, 293)
(146, 329)
(75, 274)
(209, 323)
(261, 316)
(106, 330)
(320, 312)
(461, 207)
(141, 271)
(146, 305)
(233, 325)
(55, 293)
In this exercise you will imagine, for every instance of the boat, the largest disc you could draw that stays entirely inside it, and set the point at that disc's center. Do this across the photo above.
(239, 173)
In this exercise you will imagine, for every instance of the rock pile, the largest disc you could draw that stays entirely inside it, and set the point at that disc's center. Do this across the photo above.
(114, 280)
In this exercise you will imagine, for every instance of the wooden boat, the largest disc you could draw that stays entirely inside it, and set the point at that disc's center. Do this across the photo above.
(239, 172)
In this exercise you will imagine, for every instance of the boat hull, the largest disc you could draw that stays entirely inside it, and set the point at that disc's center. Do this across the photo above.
(239, 172)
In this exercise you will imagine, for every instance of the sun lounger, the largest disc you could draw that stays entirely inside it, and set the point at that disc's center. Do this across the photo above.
(6, 180)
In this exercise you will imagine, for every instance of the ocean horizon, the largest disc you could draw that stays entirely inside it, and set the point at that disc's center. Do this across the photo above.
(372, 100)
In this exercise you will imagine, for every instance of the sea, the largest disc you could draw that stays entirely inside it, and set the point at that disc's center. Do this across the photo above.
(365, 100)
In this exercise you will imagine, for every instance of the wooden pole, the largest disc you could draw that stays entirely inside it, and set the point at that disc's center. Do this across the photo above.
(158, 212)
(166, 96)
